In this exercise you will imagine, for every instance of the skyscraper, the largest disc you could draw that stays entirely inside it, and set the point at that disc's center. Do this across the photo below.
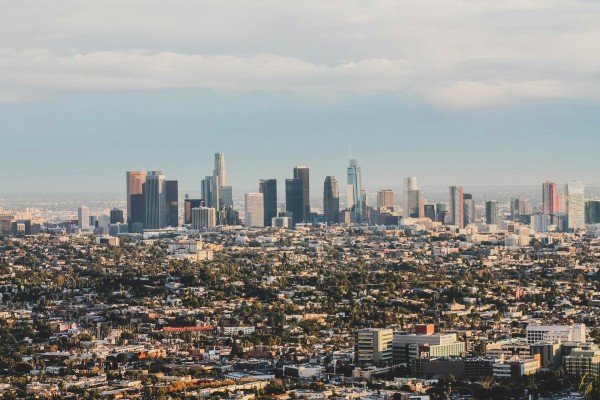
(207, 187)
(550, 203)
(203, 217)
(469, 209)
(331, 200)
(491, 212)
(268, 188)
(354, 191)
(429, 211)
(254, 215)
(575, 194)
(385, 200)
(219, 180)
(226, 196)
(409, 184)
(302, 173)
(294, 199)
(188, 205)
(172, 206)
(83, 218)
(116, 216)
(456, 206)
(592, 212)
(414, 203)
(135, 205)
(156, 200)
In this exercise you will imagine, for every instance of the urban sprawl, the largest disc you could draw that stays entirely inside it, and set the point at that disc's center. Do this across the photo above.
(187, 298)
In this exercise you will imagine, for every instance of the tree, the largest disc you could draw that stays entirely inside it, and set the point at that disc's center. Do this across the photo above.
(591, 387)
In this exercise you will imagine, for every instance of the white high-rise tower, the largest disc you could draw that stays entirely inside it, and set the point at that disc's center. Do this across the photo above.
(409, 185)
(574, 192)
(219, 179)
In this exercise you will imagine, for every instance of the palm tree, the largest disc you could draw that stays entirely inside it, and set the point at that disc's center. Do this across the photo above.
(591, 387)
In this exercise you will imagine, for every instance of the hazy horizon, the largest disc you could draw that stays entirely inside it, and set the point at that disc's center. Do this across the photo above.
(452, 92)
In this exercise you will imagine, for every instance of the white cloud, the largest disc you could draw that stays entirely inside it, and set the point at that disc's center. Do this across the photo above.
(455, 53)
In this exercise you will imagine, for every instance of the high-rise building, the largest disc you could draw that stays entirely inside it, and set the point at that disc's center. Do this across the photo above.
(219, 180)
(254, 215)
(592, 212)
(83, 218)
(575, 194)
(442, 214)
(429, 211)
(268, 188)
(116, 216)
(135, 205)
(409, 184)
(294, 199)
(414, 204)
(172, 206)
(207, 187)
(188, 205)
(550, 203)
(520, 208)
(331, 200)
(226, 196)
(469, 209)
(456, 209)
(302, 173)
(354, 191)
(385, 200)
(375, 345)
(491, 212)
(204, 217)
(156, 200)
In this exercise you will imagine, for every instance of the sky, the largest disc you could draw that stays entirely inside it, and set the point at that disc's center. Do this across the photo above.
(455, 92)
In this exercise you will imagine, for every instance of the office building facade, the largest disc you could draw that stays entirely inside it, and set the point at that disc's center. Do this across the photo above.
(268, 188)
(331, 200)
(254, 210)
(456, 206)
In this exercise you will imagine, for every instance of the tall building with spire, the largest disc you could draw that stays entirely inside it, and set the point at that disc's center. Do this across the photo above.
(331, 200)
(219, 179)
(354, 191)
(303, 174)
(550, 202)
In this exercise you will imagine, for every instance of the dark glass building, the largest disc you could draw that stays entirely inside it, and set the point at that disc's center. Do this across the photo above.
(172, 207)
(268, 188)
(302, 173)
(331, 200)
(116, 216)
(294, 199)
(429, 211)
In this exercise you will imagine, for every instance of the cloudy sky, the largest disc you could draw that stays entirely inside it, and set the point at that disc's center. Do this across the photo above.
(452, 91)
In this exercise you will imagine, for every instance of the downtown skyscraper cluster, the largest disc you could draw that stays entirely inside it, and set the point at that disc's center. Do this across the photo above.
(152, 203)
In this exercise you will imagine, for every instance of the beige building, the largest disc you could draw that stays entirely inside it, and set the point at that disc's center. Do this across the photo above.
(375, 345)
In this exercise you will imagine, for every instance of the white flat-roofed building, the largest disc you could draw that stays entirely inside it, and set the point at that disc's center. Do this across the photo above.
(556, 333)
